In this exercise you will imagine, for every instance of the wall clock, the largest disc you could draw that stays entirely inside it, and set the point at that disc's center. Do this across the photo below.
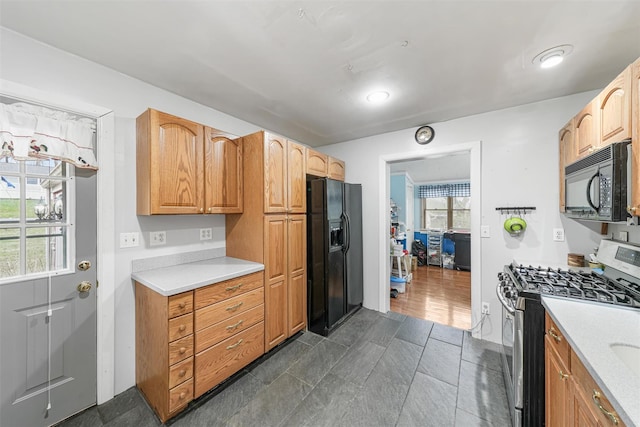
(425, 135)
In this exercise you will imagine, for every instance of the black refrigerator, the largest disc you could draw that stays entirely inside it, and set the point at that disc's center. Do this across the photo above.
(334, 252)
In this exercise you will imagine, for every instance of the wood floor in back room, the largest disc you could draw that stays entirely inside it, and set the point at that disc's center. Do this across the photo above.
(439, 295)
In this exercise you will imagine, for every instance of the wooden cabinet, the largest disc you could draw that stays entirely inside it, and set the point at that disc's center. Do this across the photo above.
(586, 130)
(572, 397)
(614, 110)
(567, 155)
(164, 350)
(188, 343)
(229, 329)
(183, 167)
(336, 169)
(634, 208)
(317, 163)
(222, 172)
(284, 180)
(272, 231)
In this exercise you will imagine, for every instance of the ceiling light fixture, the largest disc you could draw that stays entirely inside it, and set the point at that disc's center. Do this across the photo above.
(378, 97)
(552, 57)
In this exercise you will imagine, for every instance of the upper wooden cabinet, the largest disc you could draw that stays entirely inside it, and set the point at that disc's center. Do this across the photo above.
(183, 167)
(169, 161)
(586, 129)
(567, 156)
(317, 163)
(284, 179)
(223, 172)
(614, 110)
(336, 169)
(634, 207)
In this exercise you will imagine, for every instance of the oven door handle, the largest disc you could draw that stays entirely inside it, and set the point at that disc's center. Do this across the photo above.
(503, 301)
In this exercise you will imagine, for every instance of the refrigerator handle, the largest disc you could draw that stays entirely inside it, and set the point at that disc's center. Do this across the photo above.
(347, 231)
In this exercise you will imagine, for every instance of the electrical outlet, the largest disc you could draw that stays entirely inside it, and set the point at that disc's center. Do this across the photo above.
(206, 234)
(485, 231)
(558, 234)
(485, 308)
(129, 240)
(157, 238)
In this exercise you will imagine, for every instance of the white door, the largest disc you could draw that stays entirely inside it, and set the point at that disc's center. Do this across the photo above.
(47, 326)
(409, 215)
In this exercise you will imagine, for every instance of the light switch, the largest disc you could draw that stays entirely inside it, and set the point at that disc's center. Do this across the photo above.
(485, 231)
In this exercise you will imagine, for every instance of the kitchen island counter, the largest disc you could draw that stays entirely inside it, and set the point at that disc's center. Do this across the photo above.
(591, 329)
(179, 278)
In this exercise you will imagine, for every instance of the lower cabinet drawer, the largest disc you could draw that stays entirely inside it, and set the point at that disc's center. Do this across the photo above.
(180, 396)
(227, 328)
(180, 372)
(180, 349)
(215, 364)
(218, 312)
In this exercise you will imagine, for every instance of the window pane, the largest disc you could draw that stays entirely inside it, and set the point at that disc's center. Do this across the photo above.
(45, 167)
(462, 219)
(45, 201)
(461, 202)
(46, 249)
(9, 208)
(437, 203)
(436, 220)
(9, 165)
(9, 252)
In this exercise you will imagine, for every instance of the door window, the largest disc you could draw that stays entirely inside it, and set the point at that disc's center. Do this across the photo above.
(35, 225)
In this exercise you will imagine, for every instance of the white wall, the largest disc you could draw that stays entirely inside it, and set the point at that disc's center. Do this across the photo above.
(519, 167)
(33, 64)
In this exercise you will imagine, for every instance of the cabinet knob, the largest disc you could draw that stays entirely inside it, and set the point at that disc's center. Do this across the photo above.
(632, 209)
(182, 395)
(182, 305)
(209, 210)
(183, 350)
(201, 210)
(182, 328)
(563, 376)
(182, 373)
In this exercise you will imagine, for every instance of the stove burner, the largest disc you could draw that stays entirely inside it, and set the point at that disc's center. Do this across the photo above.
(576, 284)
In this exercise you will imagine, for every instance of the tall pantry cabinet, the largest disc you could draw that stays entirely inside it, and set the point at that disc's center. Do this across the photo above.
(272, 229)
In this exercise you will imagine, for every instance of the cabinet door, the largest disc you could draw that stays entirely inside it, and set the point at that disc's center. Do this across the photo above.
(567, 156)
(581, 412)
(176, 156)
(614, 104)
(223, 172)
(275, 281)
(336, 169)
(297, 264)
(275, 174)
(557, 388)
(296, 179)
(635, 140)
(317, 163)
(586, 129)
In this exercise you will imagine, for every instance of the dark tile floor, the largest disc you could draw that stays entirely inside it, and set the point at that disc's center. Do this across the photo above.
(374, 370)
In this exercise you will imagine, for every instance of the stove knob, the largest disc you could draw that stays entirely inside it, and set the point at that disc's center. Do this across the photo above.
(500, 276)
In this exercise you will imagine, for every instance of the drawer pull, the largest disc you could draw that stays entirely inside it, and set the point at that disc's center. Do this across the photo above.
(563, 376)
(182, 395)
(553, 334)
(182, 305)
(596, 399)
(183, 350)
(235, 307)
(233, 288)
(182, 373)
(230, 327)
(182, 328)
(232, 346)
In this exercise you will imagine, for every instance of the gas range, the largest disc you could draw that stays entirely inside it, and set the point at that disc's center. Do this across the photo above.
(528, 281)
(520, 289)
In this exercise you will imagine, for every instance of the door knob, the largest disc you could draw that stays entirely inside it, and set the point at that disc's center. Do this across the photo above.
(84, 286)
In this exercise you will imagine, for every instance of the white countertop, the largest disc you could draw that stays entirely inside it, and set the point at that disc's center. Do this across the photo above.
(179, 278)
(591, 328)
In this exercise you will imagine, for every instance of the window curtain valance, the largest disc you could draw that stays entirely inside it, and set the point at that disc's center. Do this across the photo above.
(462, 189)
(35, 132)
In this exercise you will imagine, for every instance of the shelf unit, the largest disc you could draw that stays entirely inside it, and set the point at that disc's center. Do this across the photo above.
(434, 248)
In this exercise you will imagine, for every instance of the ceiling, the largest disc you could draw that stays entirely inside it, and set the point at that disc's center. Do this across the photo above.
(304, 68)
(436, 168)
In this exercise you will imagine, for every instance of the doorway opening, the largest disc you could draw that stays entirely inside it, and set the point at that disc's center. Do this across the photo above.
(437, 290)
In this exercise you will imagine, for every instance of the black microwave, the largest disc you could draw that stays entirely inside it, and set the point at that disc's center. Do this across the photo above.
(597, 187)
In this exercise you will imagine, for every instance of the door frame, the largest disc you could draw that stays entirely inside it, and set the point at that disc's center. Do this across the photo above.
(384, 174)
(105, 273)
